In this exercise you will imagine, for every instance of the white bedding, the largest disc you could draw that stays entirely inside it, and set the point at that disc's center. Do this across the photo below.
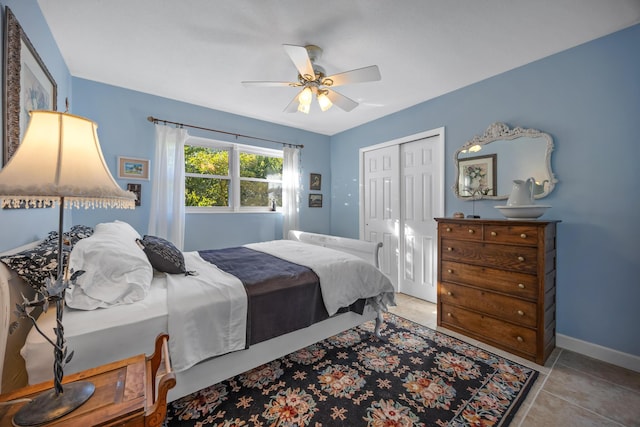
(344, 278)
(86, 331)
(213, 323)
(205, 315)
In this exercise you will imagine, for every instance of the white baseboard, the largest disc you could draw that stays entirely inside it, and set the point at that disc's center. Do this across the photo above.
(615, 357)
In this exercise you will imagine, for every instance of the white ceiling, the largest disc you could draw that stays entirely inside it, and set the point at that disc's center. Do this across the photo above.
(198, 51)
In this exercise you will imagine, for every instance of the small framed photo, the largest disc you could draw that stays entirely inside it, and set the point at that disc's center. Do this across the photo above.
(137, 190)
(315, 182)
(132, 168)
(315, 200)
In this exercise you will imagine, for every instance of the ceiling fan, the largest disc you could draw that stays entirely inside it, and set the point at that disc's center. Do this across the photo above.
(314, 81)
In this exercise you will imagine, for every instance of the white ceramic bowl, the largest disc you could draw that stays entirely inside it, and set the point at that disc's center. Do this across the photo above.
(523, 211)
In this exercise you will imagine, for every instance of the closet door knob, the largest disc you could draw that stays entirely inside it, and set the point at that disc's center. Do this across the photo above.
(520, 258)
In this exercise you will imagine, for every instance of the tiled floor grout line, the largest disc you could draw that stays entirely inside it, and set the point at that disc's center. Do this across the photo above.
(599, 378)
(535, 396)
(587, 409)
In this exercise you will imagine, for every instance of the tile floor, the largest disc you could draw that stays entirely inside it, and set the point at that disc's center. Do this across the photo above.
(571, 390)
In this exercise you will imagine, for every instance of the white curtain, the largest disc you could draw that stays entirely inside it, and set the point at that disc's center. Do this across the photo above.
(290, 190)
(167, 193)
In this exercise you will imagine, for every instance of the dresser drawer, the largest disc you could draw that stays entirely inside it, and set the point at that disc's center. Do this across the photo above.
(497, 305)
(503, 334)
(510, 282)
(461, 231)
(518, 234)
(511, 257)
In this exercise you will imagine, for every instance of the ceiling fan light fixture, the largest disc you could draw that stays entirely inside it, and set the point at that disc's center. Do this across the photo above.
(313, 81)
(324, 101)
(304, 108)
(305, 96)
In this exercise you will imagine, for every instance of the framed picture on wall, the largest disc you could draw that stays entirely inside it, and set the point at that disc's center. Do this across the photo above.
(478, 176)
(315, 200)
(130, 167)
(315, 182)
(28, 84)
(137, 190)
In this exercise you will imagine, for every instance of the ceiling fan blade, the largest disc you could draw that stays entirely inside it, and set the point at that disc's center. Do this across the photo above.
(293, 105)
(268, 84)
(347, 104)
(360, 75)
(300, 58)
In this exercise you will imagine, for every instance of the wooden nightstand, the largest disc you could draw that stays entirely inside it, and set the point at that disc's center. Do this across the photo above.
(127, 393)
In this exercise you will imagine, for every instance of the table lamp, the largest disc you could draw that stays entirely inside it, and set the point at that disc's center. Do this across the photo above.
(59, 162)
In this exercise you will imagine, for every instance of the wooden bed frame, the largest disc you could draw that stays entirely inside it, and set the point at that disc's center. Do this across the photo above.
(208, 372)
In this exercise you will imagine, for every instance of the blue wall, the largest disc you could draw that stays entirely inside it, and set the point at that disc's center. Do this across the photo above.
(588, 99)
(19, 226)
(125, 131)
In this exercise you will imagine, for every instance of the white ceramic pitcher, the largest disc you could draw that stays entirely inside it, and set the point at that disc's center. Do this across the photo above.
(522, 192)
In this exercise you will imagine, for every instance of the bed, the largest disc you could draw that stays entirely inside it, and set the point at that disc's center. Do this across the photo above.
(106, 334)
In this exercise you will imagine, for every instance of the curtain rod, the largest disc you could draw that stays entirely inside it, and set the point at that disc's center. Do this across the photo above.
(156, 120)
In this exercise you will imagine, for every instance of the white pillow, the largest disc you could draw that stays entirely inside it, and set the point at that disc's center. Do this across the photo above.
(117, 271)
(119, 229)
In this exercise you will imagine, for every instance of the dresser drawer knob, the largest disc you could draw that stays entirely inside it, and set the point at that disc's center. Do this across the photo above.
(494, 234)
(450, 249)
(449, 293)
(520, 339)
(449, 314)
(520, 258)
(524, 236)
(471, 231)
(448, 228)
(450, 271)
(520, 313)
(521, 285)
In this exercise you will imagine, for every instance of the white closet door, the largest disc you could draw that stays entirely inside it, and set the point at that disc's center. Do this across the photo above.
(402, 191)
(420, 202)
(382, 205)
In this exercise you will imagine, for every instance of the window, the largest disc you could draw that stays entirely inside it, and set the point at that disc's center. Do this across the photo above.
(222, 176)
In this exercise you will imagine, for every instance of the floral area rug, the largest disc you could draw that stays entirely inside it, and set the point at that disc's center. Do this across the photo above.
(413, 376)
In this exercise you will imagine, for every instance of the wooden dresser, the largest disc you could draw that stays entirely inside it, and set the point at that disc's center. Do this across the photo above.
(497, 283)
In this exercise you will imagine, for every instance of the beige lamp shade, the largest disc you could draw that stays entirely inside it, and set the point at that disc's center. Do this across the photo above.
(60, 159)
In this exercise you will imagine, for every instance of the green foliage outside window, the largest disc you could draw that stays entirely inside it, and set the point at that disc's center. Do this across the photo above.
(213, 185)
(260, 193)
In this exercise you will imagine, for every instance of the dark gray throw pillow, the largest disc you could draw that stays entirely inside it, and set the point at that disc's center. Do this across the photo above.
(163, 255)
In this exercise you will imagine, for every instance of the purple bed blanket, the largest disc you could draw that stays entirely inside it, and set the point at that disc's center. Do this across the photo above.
(282, 296)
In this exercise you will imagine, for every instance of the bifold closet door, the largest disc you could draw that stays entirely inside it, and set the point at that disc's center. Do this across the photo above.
(402, 193)
(382, 205)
